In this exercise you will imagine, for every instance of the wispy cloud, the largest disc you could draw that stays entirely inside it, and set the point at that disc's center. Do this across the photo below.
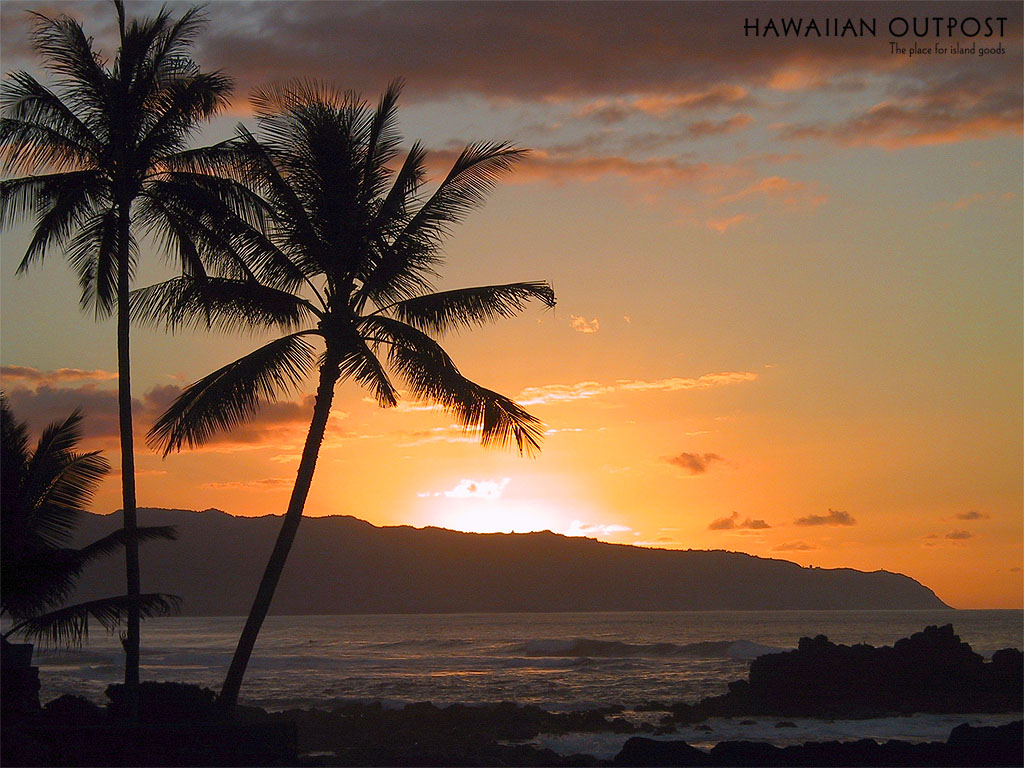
(733, 522)
(703, 128)
(585, 390)
(579, 528)
(662, 104)
(472, 489)
(793, 194)
(721, 226)
(263, 484)
(694, 463)
(793, 546)
(834, 517)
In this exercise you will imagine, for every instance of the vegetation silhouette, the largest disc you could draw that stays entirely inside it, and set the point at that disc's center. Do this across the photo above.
(348, 257)
(43, 495)
(106, 157)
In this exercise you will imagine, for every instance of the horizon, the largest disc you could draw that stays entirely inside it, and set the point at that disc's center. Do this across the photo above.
(788, 277)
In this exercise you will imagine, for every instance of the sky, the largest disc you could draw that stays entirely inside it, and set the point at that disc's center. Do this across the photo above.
(788, 272)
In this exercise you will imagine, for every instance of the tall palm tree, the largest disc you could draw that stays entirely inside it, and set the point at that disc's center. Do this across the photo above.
(105, 153)
(43, 494)
(347, 261)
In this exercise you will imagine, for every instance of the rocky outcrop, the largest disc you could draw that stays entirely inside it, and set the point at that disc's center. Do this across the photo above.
(966, 746)
(931, 671)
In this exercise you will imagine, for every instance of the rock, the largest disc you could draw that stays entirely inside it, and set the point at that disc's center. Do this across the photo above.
(639, 751)
(931, 671)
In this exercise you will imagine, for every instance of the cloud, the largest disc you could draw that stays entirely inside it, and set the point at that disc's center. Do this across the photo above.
(793, 546)
(663, 104)
(793, 194)
(578, 528)
(972, 515)
(20, 374)
(581, 324)
(959, 110)
(263, 484)
(959, 535)
(834, 517)
(585, 390)
(694, 463)
(472, 489)
(704, 128)
(541, 165)
(453, 433)
(722, 225)
(42, 403)
(733, 523)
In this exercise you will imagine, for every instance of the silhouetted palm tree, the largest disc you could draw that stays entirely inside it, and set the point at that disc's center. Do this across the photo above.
(43, 493)
(107, 153)
(349, 258)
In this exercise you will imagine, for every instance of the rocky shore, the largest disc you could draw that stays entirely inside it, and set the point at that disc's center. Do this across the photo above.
(932, 672)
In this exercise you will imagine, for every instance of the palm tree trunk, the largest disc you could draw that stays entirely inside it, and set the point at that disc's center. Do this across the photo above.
(132, 636)
(329, 373)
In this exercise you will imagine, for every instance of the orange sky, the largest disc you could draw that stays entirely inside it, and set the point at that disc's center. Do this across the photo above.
(788, 276)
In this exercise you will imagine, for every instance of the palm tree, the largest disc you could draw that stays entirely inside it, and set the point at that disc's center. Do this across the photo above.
(348, 259)
(43, 494)
(106, 156)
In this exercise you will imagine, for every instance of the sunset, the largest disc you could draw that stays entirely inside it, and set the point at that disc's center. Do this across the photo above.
(783, 241)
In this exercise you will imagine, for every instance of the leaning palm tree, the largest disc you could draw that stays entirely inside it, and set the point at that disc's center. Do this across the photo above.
(43, 494)
(347, 262)
(106, 155)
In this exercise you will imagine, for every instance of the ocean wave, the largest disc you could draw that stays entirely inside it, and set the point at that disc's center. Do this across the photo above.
(586, 647)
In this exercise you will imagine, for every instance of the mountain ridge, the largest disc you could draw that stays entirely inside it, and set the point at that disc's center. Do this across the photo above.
(342, 564)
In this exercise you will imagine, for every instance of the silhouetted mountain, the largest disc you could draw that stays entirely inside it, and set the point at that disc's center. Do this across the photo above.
(343, 565)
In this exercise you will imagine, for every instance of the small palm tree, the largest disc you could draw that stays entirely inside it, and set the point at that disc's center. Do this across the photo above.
(106, 156)
(43, 494)
(348, 260)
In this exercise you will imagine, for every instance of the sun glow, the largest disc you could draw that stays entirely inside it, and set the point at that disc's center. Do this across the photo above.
(477, 515)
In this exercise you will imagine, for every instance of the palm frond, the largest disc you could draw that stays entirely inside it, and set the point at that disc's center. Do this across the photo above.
(39, 130)
(469, 307)
(69, 53)
(224, 303)
(15, 451)
(382, 142)
(361, 363)
(233, 394)
(432, 376)
(113, 542)
(92, 254)
(63, 203)
(182, 104)
(408, 262)
(58, 483)
(69, 626)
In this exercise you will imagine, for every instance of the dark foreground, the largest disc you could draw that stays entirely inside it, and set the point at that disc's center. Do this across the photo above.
(932, 671)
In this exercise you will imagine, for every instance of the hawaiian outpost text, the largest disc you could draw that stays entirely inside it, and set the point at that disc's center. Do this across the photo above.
(898, 26)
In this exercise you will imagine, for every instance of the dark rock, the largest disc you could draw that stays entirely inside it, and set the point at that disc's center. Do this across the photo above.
(73, 710)
(743, 753)
(931, 671)
(167, 703)
(1002, 745)
(639, 751)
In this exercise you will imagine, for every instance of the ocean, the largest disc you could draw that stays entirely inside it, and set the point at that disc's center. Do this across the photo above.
(561, 661)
